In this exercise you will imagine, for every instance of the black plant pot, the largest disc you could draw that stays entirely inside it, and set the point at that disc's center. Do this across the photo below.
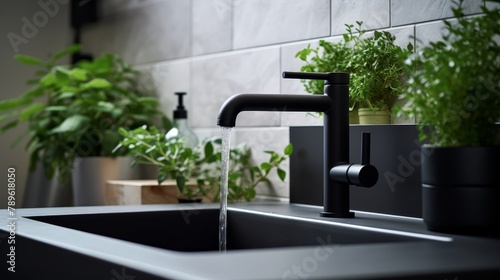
(461, 189)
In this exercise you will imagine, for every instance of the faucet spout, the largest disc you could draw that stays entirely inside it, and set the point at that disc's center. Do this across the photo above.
(270, 102)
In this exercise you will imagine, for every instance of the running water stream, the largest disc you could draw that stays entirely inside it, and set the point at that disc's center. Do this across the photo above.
(226, 144)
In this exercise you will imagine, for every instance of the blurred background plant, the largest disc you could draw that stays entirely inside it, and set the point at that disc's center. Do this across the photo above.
(202, 164)
(76, 110)
(453, 90)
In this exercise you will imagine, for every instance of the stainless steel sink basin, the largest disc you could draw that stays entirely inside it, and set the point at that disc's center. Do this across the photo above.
(197, 230)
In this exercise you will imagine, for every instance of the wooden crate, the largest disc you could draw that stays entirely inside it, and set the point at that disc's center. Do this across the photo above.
(130, 192)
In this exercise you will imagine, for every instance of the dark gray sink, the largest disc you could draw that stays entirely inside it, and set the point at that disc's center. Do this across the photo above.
(197, 230)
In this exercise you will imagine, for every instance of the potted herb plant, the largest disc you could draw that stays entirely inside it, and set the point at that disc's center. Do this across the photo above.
(74, 113)
(200, 165)
(376, 65)
(454, 94)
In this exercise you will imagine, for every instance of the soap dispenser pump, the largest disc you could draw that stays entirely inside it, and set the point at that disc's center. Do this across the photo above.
(181, 127)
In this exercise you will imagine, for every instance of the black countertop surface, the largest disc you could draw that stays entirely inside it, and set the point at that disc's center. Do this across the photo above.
(48, 251)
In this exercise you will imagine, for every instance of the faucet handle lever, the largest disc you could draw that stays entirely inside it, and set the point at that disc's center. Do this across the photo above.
(329, 77)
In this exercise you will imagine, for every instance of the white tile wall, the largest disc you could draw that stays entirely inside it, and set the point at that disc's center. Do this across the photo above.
(215, 78)
(216, 48)
(212, 26)
(411, 11)
(151, 33)
(373, 13)
(267, 22)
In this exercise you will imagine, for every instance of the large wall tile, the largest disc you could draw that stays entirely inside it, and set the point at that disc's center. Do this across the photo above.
(267, 22)
(155, 32)
(216, 78)
(404, 35)
(164, 79)
(373, 13)
(429, 32)
(411, 11)
(212, 26)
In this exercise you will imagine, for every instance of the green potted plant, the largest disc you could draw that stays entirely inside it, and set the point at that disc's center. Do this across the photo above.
(74, 112)
(376, 67)
(197, 171)
(454, 94)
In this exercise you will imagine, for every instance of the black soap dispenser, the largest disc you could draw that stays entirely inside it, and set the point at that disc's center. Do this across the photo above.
(181, 127)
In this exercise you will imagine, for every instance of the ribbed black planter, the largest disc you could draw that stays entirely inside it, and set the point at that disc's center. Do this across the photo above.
(461, 189)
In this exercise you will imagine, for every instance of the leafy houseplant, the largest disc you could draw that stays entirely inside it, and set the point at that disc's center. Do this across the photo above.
(177, 161)
(75, 111)
(376, 65)
(454, 94)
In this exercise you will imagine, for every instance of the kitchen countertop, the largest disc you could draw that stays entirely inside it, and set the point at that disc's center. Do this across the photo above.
(43, 250)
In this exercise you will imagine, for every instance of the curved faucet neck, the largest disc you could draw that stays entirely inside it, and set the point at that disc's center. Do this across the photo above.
(270, 102)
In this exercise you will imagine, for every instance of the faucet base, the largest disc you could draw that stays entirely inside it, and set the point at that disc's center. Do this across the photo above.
(337, 215)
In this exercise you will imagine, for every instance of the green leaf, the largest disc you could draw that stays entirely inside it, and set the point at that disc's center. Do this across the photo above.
(161, 177)
(26, 59)
(110, 139)
(265, 166)
(250, 194)
(61, 76)
(14, 103)
(65, 95)
(234, 176)
(71, 50)
(288, 149)
(78, 74)
(56, 108)
(33, 109)
(148, 101)
(212, 158)
(97, 83)
(105, 106)
(181, 182)
(281, 174)
(209, 149)
(48, 80)
(123, 131)
(8, 126)
(71, 124)
(255, 169)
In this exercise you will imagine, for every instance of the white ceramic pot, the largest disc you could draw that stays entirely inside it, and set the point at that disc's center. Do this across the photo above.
(91, 173)
(41, 191)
